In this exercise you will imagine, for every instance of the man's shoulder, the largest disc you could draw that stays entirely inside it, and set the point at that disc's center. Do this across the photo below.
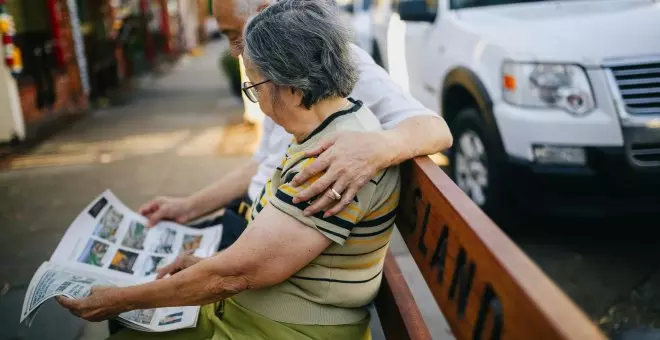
(360, 54)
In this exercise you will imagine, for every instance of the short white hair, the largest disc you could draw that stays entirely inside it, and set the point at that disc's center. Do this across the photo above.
(248, 8)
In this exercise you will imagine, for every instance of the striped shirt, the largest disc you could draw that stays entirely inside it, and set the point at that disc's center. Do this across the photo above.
(336, 286)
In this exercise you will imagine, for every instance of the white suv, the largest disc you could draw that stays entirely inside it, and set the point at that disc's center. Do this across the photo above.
(553, 104)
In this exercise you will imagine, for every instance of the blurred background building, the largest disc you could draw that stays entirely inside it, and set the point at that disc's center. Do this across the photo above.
(79, 53)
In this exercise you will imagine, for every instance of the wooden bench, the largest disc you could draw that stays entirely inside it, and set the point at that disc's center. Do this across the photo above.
(486, 287)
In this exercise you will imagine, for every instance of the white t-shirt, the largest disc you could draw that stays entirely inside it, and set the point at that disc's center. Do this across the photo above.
(374, 88)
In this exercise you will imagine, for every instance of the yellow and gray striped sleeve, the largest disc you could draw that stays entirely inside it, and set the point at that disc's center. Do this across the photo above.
(337, 228)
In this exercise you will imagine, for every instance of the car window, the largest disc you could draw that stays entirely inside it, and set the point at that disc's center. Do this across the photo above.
(432, 5)
(366, 4)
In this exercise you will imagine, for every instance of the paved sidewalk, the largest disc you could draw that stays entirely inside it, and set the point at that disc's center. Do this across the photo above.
(173, 137)
(170, 139)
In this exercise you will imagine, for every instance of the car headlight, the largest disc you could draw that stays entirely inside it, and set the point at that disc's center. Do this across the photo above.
(547, 86)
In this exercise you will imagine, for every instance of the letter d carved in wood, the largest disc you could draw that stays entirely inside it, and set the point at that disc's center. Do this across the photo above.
(449, 238)
(490, 303)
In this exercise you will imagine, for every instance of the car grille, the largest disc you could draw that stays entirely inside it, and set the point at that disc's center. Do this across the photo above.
(647, 154)
(639, 85)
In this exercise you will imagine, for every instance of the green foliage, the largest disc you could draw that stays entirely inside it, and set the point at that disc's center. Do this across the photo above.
(231, 68)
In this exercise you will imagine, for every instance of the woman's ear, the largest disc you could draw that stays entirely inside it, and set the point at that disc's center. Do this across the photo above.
(294, 95)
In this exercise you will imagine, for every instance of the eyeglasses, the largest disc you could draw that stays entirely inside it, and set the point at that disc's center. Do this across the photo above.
(250, 90)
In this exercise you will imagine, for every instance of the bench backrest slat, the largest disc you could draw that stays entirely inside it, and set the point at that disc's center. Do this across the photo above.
(486, 287)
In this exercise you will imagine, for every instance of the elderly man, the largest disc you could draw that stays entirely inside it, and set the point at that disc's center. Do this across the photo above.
(345, 163)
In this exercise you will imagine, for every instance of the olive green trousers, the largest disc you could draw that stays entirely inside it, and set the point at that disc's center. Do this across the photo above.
(238, 323)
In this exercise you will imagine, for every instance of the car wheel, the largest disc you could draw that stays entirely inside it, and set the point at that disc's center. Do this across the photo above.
(477, 165)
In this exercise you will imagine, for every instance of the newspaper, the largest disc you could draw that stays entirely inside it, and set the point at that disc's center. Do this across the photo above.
(110, 245)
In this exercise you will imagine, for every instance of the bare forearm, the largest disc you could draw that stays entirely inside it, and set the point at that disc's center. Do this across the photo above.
(206, 282)
(230, 187)
(276, 247)
(418, 136)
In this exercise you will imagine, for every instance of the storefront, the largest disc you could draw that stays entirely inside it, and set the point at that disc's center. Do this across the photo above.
(186, 14)
(163, 28)
(204, 13)
(50, 83)
(140, 28)
(97, 26)
(11, 116)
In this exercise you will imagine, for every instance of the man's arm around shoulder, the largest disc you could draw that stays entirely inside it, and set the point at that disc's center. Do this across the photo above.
(351, 159)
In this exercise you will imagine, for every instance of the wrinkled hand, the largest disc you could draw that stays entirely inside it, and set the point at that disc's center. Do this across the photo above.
(349, 160)
(183, 261)
(167, 208)
(100, 305)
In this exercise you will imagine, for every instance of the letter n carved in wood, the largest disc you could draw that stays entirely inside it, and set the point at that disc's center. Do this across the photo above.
(461, 282)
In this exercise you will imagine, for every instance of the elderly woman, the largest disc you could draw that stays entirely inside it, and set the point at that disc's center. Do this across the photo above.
(289, 276)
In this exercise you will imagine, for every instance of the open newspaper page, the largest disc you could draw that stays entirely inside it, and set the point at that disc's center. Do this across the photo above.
(52, 280)
(109, 244)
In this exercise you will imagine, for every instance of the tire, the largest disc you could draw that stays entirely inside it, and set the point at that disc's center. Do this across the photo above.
(477, 165)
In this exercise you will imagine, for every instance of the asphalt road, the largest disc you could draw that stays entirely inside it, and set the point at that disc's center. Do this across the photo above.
(609, 267)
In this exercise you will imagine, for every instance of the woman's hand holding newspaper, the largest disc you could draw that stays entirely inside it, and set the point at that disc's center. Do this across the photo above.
(101, 304)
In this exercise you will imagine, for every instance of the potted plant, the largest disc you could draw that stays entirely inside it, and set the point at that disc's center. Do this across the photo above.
(231, 68)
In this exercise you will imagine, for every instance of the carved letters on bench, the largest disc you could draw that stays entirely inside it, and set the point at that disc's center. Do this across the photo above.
(486, 287)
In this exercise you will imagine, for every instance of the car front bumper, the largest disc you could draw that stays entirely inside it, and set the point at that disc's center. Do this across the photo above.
(522, 128)
(608, 185)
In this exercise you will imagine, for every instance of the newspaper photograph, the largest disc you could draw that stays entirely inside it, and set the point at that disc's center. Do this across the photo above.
(108, 244)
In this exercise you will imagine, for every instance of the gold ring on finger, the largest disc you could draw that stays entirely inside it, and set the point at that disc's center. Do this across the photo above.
(337, 196)
(330, 194)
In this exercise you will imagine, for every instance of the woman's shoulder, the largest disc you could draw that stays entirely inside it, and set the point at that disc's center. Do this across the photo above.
(363, 119)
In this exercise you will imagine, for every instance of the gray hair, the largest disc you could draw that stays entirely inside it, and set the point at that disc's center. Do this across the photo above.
(305, 45)
(247, 8)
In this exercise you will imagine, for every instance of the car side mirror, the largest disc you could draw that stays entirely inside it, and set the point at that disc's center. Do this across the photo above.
(416, 10)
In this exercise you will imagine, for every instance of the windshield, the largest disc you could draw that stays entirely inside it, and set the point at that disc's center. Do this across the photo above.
(366, 4)
(457, 4)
